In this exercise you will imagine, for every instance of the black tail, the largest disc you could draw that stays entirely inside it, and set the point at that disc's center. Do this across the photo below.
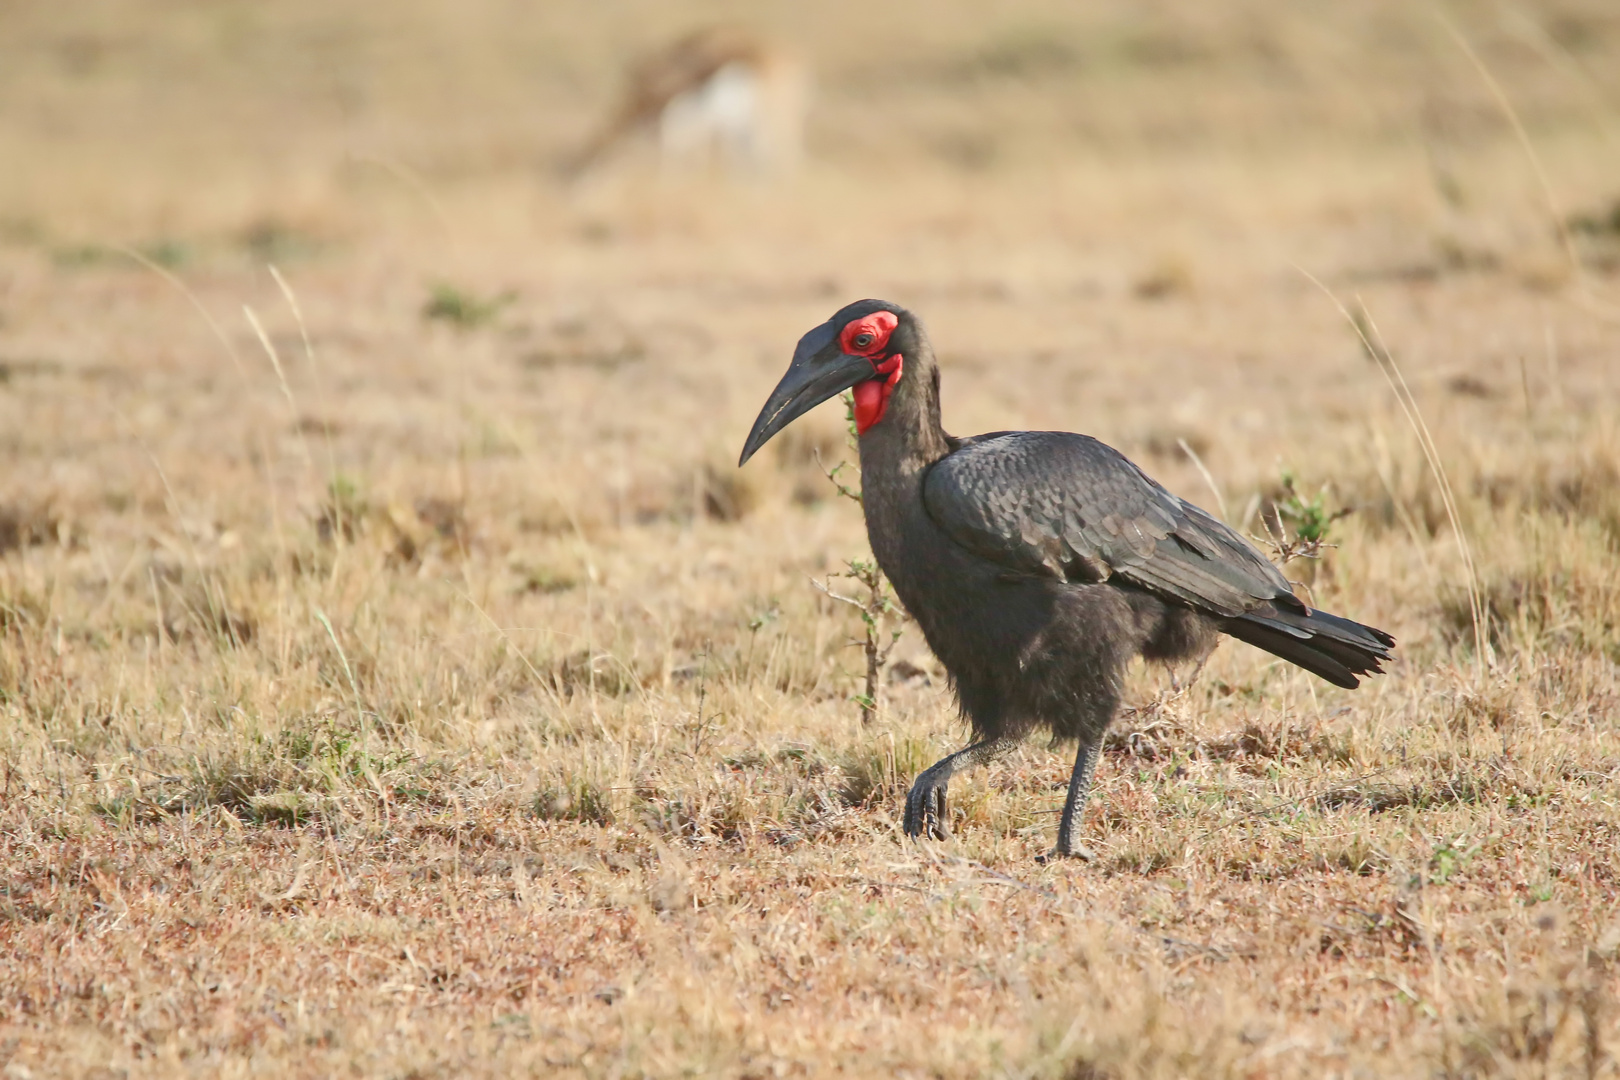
(1336, 649)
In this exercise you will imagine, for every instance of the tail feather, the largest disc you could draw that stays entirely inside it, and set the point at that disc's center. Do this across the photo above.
(1335, 648)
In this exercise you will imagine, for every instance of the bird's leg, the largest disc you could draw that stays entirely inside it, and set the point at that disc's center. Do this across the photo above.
(1176, 685)
(1085, 765)
(925, 803)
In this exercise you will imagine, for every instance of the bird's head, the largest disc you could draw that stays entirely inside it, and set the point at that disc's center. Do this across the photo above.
(862, 347)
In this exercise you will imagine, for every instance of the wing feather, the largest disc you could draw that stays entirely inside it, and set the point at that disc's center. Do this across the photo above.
(1067, 506)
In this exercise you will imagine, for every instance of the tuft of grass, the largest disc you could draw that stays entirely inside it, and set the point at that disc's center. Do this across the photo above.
(575, 798)
(269, 239)
(880, 772)
(28, 525)
(1571, 608)
(344, 512)
(1604, 221)
(463, 309)
(1028, 52)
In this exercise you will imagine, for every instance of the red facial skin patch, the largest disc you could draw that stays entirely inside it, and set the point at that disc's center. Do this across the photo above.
(872, 396)
(879, 324)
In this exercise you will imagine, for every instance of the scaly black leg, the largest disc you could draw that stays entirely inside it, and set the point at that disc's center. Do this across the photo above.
(925, 804)
(1085, 766)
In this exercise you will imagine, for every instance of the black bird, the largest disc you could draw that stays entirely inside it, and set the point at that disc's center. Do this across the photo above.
(1038, 563)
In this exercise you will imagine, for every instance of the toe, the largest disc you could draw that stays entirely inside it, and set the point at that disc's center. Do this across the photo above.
(925, 812)
(913, 819)
(1076, 851)
(936, 815)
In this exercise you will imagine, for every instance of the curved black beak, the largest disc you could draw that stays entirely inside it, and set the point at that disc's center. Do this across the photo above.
(820, 369)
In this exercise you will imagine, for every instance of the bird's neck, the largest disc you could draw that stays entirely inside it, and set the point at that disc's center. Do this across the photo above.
(895, 455)
(909, 437)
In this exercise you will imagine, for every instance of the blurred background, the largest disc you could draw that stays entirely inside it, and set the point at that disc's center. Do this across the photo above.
(131, 115)
(1058, 158)
(214, 129)
(586, 236)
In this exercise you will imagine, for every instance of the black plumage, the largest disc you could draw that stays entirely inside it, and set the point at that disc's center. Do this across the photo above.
(1038, 564)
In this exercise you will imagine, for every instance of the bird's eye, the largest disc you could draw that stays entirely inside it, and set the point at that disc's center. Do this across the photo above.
(864, 341)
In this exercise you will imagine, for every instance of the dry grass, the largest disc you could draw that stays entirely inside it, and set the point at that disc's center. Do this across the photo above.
(417, 689)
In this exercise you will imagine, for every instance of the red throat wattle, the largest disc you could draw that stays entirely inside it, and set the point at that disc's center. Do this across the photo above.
(872, 396)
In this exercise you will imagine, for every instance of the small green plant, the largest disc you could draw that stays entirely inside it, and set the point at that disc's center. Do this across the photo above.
(273, 241)
(166, 252)
(80, 256)
(462, 309)
(1300, 526)
(1449, 859)
(881, 616)
(759, 622)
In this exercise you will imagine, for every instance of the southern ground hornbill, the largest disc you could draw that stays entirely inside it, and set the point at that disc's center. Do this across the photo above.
(1038, 563)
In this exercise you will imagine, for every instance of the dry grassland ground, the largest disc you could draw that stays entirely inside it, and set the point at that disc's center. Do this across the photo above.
(397, 678)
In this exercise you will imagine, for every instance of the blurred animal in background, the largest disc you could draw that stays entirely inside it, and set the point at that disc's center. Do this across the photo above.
(719, 98)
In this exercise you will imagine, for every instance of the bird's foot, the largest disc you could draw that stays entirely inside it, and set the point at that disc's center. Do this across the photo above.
(925, 809)
(1075, 851)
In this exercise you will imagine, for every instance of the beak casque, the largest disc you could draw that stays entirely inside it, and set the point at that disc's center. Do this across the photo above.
(820, 369)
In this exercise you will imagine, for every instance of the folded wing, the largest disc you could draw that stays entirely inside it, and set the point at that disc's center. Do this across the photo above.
(1069, 507)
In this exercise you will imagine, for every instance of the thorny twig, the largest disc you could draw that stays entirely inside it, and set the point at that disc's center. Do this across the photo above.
(876, 608)
(832, 474)
(878, 605)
